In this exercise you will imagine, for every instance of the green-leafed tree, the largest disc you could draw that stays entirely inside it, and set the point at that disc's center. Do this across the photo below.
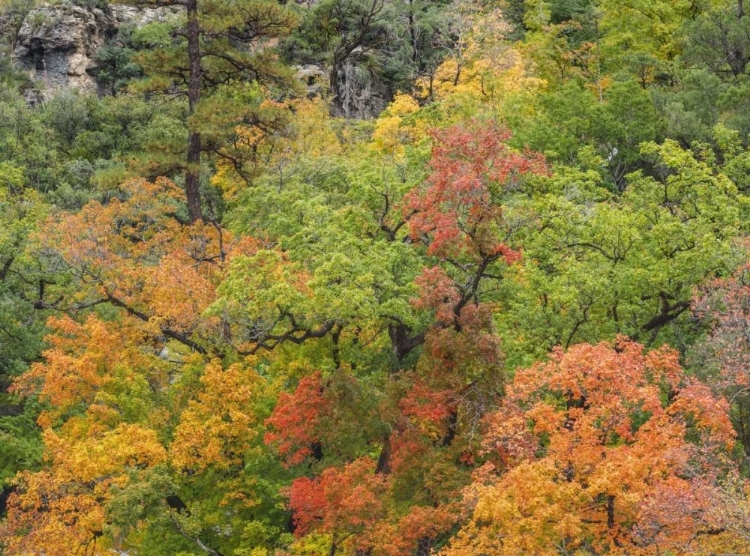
(600, 266)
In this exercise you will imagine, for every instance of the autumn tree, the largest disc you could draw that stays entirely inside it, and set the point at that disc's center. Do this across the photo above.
(96, 432)
(451, 232)
(573, 458)
(721, 356)
(329, 369)
(143, 281)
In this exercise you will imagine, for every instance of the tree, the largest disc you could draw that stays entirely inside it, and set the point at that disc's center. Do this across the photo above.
(419, 39)
(572, 121)
(720, 39)
(153, 418)
(622, 265)
(348, 37)
(224, 46)
(424, 417)
(330, 370)
(603, 449)
(721, 357)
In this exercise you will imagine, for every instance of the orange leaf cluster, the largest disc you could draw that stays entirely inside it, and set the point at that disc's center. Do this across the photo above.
(595, 456)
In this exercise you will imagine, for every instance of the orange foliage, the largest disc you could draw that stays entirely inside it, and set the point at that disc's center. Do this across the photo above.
(135, 254)
(595, 455)
(414, 530)
(80, 363)
(101, 378)
(61, 510)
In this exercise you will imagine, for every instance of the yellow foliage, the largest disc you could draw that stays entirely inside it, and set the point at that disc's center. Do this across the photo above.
(60, 511)
(402, 105)
(309, 132)
(216, 428)
(483, 80)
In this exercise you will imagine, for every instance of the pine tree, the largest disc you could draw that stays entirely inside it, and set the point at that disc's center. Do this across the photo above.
(221, 45)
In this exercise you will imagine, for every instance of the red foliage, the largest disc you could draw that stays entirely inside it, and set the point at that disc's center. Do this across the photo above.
(437, 292)
(424, 403)
(294, 423)
(727, 303)
(408, 448)
(340, 500)
(459, 210)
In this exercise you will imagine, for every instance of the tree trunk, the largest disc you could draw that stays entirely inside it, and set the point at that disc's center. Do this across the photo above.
(424, 546)
(610, 511)
(383, 466)
(192, 175)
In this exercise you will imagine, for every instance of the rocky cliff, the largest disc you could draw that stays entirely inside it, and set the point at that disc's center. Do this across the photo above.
(57, 44)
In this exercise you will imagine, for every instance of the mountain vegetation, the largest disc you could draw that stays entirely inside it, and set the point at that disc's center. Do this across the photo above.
(376, 277)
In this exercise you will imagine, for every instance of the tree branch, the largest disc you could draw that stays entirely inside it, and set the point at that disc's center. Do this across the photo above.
(177, 336)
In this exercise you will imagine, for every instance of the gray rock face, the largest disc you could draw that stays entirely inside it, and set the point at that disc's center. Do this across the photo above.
(313, 77)
(57, 44)
(140, 16)
(357, 93)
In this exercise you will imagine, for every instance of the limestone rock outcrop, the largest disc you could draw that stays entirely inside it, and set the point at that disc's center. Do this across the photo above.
(57, 44)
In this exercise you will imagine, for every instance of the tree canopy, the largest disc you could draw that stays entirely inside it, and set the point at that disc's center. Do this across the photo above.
(357, 277)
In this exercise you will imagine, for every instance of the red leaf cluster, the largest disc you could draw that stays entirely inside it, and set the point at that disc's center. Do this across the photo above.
(459, 211)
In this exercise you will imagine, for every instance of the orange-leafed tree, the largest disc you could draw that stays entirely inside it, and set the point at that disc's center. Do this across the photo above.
(133, 253)
(128, 384)
(604, 449)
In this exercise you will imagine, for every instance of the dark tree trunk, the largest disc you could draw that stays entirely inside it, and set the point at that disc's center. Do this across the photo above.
(424, 546)
(450, 432)
(192, 175)
(610, 511)
(383, 466)
(402, 345)
(401, 342)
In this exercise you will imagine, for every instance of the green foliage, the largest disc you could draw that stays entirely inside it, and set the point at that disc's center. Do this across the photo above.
(349, 314)
(394, 43)
(115, 65)
(599, 267)
(572, 122)
(719, 40)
